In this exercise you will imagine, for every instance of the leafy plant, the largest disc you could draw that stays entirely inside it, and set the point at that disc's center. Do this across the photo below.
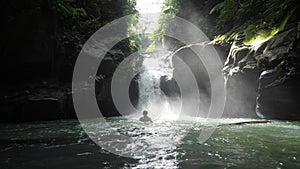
(258, 20)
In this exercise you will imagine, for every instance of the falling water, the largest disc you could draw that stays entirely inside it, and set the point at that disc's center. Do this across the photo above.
(151, 97)
(155, 65)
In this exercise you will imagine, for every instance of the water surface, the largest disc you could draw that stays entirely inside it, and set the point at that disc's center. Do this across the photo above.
(164, 144)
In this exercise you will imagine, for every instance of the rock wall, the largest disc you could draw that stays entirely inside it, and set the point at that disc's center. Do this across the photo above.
(40, 101)
(278, 96)
(190, 59)
(263, 79)
(47, 100)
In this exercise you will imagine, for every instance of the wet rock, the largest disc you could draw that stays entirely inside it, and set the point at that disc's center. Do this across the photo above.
(241, 83)
(187, 58)
(241, 95)
(105, 101)
(243, 70)
(169, 87)
(40, 109)
(278, 96)
(8, 111)
(103, 86)
(37, 101)
(279, 89)
(68, 111)
(134, 92)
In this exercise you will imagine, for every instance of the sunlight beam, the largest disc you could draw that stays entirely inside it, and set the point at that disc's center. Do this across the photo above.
(149, 6)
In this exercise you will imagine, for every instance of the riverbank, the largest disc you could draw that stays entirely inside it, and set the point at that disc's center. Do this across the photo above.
(38, 101)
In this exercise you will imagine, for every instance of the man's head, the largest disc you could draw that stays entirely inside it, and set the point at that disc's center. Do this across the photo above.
(145, 113)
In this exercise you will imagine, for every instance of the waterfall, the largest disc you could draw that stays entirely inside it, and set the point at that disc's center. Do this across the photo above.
(151, 97)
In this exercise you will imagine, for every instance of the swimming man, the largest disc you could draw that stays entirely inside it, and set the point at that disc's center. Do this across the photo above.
(145, 118)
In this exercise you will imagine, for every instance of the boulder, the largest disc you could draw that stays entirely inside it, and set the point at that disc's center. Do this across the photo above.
(278, 96)
(262, 79)
(169, 87)
(197, 70)
(241, 90)
(241, 83)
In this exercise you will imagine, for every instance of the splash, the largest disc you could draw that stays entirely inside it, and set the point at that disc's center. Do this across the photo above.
(152, 98)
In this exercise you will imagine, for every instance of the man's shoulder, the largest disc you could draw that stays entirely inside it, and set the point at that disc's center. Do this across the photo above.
(145, 119)
(148, 119)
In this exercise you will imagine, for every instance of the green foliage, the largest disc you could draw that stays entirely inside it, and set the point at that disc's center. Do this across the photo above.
(217, 8)
(78, 20)
(99, 78)
(135, 39)
(55, 30)
(170, 9)
(258, 19)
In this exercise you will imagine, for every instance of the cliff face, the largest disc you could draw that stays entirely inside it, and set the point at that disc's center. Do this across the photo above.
(279, 86)
(40, 42)
(264, 78)
(262, 65)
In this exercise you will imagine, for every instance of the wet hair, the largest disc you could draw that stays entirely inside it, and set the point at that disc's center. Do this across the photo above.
(145, 112)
